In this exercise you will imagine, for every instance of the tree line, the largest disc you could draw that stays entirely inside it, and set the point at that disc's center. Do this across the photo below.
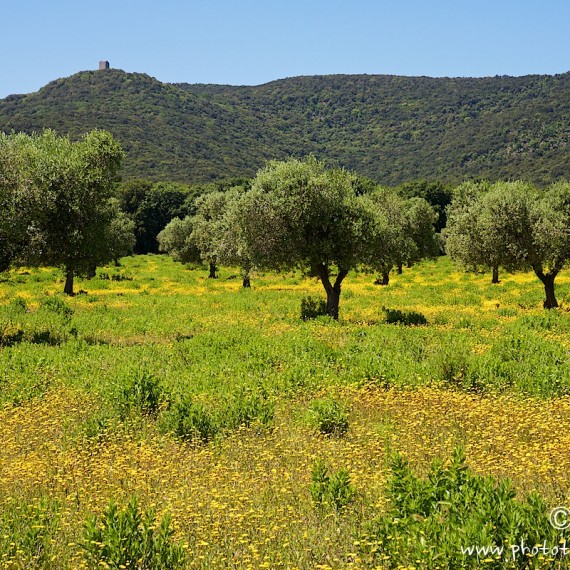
(62, 206)
(300, 215)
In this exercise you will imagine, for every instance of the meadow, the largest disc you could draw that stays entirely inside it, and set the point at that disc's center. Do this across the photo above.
(269, 440)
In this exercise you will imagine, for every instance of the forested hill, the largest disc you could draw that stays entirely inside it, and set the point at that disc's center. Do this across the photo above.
(388, 128)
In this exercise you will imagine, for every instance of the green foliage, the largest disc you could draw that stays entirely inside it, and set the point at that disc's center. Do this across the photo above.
(389, 129)
(433, 518)
(27, 532)
(60, 209)
(328, 416)
(192, 419)
(57, 305)
(298, 214)
(313, 308)
(247, 407)
(175, 239)
(435, 193)
(513, 225)
(403, 232)
(408, 318)
(330, 490)
(151, 207)
(140, 392)
(131, 538)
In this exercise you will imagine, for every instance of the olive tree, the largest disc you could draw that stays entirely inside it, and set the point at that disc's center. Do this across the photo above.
(63, 194)
(175, 240)
(472, 236)
(548, 252)
(518, 227)
(298, 214)
(405, 232)
(230, 239)
(208, 227)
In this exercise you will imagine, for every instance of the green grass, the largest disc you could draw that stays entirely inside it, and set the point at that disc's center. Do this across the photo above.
(187, 392)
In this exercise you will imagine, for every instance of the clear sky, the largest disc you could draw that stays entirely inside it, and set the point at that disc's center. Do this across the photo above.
(249, 42)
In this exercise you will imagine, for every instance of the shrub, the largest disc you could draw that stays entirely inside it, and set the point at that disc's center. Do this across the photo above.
(58, 306)
(131, 538)
(408, 318)
(190, 420)
(313, 308)
(332, 490)
(10, 334)
(328, 416)
(141, 393)
(248, 406)
(435, 519)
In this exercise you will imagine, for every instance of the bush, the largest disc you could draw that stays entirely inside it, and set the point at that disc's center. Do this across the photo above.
(313, 308)
(131, 538)
(57, 305)
(408, 318)
(11, 334)
(328, 416)
(141, 393)
(437, 518)
(247, 407)
(190, 420)
(332, 490)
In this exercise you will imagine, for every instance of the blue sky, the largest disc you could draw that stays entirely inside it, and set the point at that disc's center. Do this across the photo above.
(249, 42)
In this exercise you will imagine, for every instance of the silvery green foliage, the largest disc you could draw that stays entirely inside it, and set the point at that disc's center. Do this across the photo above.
(300, 215)
(175, 240)
(514, 225)
(59, 196)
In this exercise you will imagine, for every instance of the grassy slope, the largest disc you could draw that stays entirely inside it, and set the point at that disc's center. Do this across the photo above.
(243, 500)
(388, 128)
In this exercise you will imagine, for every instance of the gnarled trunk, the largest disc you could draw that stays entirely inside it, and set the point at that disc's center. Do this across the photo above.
(69, 275)
(246, 282)
(399, 268)
(212, 271)
(495, 278)
(332, 290)
(384, 280)
(547, 279)
(550, 302)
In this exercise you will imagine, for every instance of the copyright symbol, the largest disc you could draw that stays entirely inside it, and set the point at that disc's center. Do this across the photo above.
(560, 518)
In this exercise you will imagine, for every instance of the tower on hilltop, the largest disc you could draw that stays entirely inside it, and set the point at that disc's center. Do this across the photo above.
(103, 65)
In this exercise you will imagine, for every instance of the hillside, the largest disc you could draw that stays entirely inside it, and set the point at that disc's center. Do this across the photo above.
(388, 128)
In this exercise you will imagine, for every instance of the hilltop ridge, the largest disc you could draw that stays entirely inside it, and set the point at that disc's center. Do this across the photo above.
(388, 128)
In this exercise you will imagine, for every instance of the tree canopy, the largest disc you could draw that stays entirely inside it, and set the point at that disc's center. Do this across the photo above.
(59, 196)
(514, 225)
(298, 214)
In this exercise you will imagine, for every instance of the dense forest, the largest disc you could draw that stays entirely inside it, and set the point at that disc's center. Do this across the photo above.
(390, 129)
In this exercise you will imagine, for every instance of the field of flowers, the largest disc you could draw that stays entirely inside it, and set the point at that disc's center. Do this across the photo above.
(217, 406)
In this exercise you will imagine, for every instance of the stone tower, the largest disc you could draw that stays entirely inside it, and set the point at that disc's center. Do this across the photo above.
(103, 65)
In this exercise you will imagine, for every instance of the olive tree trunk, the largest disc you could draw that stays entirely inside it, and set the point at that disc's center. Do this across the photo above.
(384, 280)
(550, 301)
(213, 270)
(495, 278)
(332, 290)
(246, 282)
(547, 279)
(69, 275)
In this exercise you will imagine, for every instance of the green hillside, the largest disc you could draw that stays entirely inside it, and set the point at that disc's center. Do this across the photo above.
(388, 128)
